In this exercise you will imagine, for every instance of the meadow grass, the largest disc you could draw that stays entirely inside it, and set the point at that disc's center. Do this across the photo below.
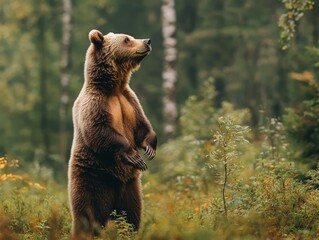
(263, 208)
(185, 193)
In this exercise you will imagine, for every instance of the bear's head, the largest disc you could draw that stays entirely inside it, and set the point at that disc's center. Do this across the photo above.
(112, 58)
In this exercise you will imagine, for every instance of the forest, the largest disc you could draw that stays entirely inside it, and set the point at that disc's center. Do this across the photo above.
(231, 88)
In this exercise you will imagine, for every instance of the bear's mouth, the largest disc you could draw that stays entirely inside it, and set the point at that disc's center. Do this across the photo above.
(144, 52)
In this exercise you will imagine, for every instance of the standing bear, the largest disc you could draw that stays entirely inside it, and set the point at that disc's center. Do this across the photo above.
(109, 128)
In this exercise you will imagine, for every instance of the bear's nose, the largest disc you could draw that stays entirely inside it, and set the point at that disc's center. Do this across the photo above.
(147, 42)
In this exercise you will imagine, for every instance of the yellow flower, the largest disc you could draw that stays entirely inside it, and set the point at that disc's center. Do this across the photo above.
(305, 76)
(10, 176)
(37, 185)
(3, 162)
(206, 204)
(196, 209)
(2, 165)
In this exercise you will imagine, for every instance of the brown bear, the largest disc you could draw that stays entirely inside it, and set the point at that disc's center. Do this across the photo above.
(109, 128)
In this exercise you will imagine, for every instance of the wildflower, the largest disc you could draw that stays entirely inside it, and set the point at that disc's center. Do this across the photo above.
(10, 176)
(37, 185)
(305, 76)
(206, 204)
(3, 162)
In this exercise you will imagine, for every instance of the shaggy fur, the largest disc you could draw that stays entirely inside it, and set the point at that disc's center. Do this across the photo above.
(109, 128)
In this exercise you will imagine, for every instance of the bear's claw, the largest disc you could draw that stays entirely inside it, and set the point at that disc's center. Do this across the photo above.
(149, 152)
(137, 162)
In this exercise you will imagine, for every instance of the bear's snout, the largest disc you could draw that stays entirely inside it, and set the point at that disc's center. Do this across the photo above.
(147, 42)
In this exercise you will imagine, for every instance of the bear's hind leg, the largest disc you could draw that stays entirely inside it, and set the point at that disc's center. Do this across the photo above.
(82, 224)
(90, 211)
(104, 203)
(131, 202)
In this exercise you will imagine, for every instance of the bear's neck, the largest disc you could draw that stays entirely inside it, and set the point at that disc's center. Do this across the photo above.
(106, 80)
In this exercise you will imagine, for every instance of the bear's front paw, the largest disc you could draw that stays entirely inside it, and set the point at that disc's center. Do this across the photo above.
(149, 145)
(135, 160)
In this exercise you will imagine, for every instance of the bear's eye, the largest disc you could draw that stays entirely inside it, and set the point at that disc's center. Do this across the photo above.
(126, 40)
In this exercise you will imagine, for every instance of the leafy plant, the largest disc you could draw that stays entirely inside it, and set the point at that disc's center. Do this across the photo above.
(227, 137)
(120, 228)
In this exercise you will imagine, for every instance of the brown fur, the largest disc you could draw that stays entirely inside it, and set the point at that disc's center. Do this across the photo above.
(109, 128)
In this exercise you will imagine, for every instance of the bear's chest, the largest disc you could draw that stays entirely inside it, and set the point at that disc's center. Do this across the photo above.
(123, 116)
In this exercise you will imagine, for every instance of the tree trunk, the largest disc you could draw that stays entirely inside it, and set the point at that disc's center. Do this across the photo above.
(65, 76)
(169, 67)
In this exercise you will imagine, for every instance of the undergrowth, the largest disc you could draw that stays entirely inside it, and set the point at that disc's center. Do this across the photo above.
(213, 182)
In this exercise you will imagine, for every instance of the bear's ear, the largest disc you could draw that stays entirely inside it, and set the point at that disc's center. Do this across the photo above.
(96, 37)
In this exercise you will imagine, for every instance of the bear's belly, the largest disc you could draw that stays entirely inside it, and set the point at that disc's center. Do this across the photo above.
(85, 164)
(123, 116)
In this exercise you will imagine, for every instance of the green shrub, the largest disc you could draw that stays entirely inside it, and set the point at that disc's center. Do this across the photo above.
(303, 125)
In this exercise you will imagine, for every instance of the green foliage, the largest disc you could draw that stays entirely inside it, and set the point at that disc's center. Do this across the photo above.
(303, 126)
(225, 153)
(123, 229)
(199, 111)
(252, 190)
(276, 189)
(29, 210)
(275, 147)
(289, 20)
(198, 119)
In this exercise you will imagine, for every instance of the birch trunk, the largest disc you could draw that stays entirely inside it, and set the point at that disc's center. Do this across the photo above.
(169, 67)
(65, 75)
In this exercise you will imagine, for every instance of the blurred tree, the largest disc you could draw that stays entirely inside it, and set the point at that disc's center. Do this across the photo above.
(43, 64)
(169, 68)
(65, 76)
(27, 64)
